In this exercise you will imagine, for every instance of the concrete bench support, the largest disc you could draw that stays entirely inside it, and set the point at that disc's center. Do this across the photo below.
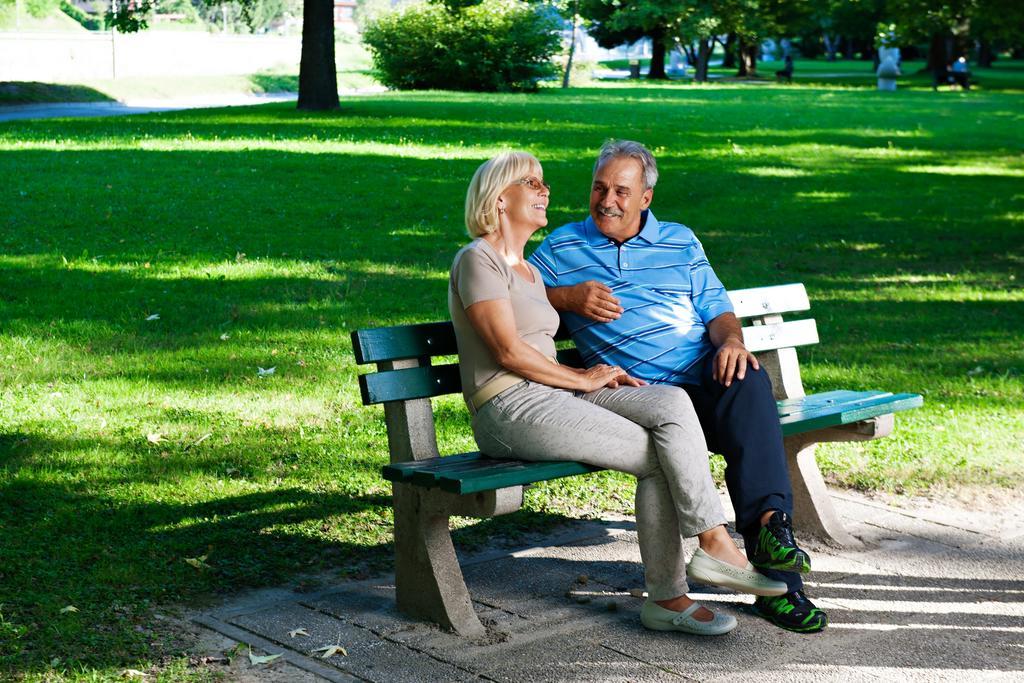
(428, 580)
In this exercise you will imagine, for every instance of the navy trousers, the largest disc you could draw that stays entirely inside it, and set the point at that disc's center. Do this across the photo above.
(741, 423)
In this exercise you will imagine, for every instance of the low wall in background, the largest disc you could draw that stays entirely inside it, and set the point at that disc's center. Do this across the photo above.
(27, 56)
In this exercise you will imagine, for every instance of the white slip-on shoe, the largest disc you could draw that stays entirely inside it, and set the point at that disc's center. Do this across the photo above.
(704, 568)
(657, 618)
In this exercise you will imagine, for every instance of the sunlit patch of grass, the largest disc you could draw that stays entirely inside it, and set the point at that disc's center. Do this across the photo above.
(775, 172)
(968, 170)
(823, 196)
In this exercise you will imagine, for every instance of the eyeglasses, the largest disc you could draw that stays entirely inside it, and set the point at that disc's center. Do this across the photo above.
(533, 184)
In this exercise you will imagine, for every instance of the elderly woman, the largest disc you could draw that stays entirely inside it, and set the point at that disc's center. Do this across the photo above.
(527, 406)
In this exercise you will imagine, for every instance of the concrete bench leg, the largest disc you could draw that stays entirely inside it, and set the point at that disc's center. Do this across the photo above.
(428, 580)
(813, 512)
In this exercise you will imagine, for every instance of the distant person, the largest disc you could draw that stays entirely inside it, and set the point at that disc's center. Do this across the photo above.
(786, 74)
(960, 73)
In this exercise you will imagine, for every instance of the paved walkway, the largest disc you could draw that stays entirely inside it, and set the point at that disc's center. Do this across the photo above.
(83, 109)
(935, 594)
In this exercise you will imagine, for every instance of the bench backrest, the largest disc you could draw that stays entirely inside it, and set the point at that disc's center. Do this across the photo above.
(406, 377)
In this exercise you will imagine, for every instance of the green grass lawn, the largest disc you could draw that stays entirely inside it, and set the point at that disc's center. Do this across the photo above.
(150, 265)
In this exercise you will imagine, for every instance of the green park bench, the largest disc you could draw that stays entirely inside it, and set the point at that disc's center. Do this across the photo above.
(428, 488)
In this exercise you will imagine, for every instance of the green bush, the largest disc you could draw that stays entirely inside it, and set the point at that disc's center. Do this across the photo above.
(92, 22)
(497, 45)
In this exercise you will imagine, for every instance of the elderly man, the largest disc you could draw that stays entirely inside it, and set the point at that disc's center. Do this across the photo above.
(639, 293)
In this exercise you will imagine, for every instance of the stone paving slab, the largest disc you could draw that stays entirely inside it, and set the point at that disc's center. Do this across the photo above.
(927, 598)
(366, 655)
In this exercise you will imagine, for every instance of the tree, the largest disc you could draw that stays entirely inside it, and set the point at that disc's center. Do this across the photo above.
(944, 25)
(697, 32)
(614, 22)
(570, 10)
(999, 24)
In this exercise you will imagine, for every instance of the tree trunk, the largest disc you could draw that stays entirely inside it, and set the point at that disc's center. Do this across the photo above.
(700, 69)
(572, 51)
(657, 70)
(729, 51)
(985, 54)
(748, 58)
(938, 52)
(691, 55)
(831, 46)
(318, 74)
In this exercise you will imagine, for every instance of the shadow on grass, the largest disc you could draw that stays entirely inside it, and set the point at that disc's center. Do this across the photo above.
(114, 560)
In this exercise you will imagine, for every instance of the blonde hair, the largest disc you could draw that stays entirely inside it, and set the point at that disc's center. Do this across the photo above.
(489, 181)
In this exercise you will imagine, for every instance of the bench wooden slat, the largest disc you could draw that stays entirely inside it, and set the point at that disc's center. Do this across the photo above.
(403, 341)
(488, 473)
(793, 406)
(404, 471)
(524, 473)
(834, 415)
(474, 472)
(410, 383)
(780, 335)
(748, 303)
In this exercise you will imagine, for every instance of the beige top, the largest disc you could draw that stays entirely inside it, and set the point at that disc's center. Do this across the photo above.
(480, 274)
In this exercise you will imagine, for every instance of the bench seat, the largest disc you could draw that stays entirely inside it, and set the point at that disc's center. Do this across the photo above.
(474, 472)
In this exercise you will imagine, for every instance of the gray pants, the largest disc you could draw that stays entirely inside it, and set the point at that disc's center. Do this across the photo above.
(650, 432)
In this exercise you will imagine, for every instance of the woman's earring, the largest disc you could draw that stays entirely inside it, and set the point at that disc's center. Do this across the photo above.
(501, 210)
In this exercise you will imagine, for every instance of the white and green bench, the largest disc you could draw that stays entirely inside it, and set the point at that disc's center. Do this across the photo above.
(429, 488)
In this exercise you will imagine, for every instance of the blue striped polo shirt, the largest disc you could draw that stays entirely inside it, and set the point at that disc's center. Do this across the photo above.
(664, 283)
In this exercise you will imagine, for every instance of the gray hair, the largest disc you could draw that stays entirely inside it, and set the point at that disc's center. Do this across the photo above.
(614, 149)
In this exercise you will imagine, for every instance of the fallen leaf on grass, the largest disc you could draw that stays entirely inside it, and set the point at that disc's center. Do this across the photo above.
(69, 608)
(198, 562)
(155, 437)
(133, 673)
(264, 372)
(331, 650)
(257, 659)
(298, 632)
(155, 316)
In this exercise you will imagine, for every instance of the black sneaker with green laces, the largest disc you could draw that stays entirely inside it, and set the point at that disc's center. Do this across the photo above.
(793, 612)
(776, 548)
